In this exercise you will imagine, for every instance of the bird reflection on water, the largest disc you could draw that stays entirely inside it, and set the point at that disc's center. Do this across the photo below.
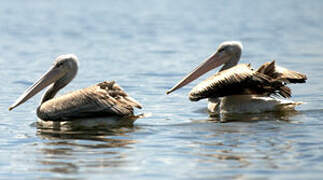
(63, 150)
(215, 144)
(249, 117)
(241, 141)
(268, 116)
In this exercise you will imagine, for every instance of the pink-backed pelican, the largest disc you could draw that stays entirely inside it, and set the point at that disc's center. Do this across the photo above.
(237, 88)
(103, 100)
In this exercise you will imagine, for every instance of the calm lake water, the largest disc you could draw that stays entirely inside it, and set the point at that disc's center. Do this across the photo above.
(147, 46)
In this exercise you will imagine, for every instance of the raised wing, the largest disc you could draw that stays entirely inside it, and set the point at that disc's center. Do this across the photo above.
(281, 73)
(103, 99)
(240, 79)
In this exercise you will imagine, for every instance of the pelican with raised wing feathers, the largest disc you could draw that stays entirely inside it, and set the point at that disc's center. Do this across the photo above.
(104, 100)
(237, 88)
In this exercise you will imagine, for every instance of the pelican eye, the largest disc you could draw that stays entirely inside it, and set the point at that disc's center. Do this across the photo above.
(59, 64)
(221, 50)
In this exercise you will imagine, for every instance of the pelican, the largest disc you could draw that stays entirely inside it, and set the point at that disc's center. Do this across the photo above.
(238, 88)
(105, 100)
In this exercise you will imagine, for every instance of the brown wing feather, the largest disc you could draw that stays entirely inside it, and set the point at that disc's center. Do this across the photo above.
(116, 92)
(281, 73)
(240, 79)
(103, 99)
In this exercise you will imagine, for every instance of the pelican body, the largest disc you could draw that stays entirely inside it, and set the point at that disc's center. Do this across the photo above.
(103, 100)
(238, 88)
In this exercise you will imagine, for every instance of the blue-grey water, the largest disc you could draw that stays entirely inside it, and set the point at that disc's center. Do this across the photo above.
(147, 46)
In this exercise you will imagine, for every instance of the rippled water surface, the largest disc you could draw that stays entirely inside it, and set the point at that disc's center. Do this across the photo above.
(146, 46)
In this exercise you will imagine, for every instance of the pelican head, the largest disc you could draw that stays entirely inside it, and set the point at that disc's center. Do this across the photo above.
(59, 75)
(228, 53)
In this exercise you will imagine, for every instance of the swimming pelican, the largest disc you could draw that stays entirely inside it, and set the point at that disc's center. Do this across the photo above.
(237, 88)
(104, 100)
